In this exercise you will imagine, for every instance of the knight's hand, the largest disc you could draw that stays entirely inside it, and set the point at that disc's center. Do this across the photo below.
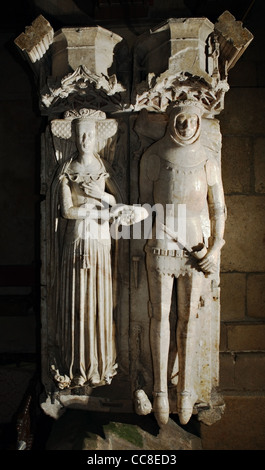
(209, 264)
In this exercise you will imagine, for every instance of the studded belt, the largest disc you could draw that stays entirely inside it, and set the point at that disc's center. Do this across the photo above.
(173, 253)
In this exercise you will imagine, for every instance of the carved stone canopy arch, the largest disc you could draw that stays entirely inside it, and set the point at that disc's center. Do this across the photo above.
(185, 58)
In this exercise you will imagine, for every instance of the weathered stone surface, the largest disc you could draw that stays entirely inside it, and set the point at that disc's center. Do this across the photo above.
(90, 431)
(233, 296)
(227, 373)
(259, 164)
(176, 45)
(223, 337)
(256, 295)
(234, 39)
(90, 47)
(179, 57)
(242, 371)
(36, 40)
(241, 428)
(246, 337)
(244, 234)
(242, 106)
(236, 164)
(249, 369)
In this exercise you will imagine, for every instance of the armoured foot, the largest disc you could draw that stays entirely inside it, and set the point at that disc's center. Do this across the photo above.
(185, 407)
(161, 408)
(142, 403)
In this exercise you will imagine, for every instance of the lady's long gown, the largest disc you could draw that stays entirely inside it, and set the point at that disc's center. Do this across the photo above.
(85, 329)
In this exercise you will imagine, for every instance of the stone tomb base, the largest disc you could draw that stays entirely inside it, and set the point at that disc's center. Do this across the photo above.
(81, 430)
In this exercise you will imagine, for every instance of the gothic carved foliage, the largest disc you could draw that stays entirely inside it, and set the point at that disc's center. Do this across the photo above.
(83, 88)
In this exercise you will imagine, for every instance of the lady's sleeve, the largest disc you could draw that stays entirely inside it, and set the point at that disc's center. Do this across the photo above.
(68, 210)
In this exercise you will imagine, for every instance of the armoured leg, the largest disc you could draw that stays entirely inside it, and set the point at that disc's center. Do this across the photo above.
(160, 299)
(189, 291)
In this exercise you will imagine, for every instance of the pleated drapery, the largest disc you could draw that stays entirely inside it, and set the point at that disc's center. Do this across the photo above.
(85, 321)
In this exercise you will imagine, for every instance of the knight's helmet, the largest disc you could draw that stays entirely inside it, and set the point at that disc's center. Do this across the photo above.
(183, 112)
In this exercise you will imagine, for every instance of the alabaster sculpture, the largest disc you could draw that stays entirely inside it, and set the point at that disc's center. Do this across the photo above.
(133, 215)
(177, 171)
(84, 201)
(84, 322)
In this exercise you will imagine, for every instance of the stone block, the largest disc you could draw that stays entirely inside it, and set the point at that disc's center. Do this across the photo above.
(92, 47)
(246, 337)
(243, 371)
(223, 337)
(233, 296)
(189, 35)
(233, 38)
(36, 40)
(244, 234)
(227, 373)
(256, 295)
(177, 44)
(236, 164)
(249, 371)
(259, 164)
(241, 427)
(242, 106)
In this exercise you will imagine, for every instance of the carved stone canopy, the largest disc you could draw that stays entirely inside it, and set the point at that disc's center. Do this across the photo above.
(194, 58)
(90, 47)
(182, 58)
